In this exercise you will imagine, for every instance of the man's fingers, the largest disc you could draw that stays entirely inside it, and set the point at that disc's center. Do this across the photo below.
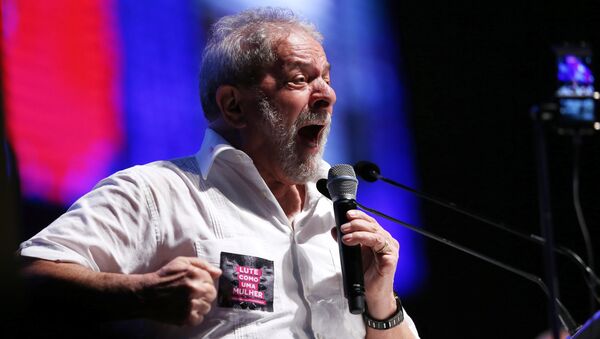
(376, 241)
(214, 272)
(201, 306)
(180, 265)
(360, 225)
(183, 291)
(358, 214)
(204, 289)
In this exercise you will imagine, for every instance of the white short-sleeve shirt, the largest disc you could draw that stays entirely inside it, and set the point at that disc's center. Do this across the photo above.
(281, 279)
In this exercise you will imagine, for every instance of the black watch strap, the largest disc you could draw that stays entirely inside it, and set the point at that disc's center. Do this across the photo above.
(395, 320)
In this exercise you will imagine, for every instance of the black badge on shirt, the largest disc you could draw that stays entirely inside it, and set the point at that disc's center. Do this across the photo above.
(246, 282)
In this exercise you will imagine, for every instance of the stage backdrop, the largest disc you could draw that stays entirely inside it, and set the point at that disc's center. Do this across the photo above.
(95, 86)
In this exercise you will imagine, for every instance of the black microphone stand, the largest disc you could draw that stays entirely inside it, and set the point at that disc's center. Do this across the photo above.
(562, 314)
(370, 172)
(546, 218)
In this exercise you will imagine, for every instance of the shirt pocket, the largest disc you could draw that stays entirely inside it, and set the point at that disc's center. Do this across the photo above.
(248, 278)
(245, 287)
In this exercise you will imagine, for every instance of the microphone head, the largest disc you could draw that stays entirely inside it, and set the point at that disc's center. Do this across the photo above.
(342, 182)
(367, 170)
(322, 187)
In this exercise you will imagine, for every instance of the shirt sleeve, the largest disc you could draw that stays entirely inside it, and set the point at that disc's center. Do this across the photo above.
(111, 229)
(411, 324)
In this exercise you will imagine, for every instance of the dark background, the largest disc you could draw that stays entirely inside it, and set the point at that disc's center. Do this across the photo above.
(473, 70)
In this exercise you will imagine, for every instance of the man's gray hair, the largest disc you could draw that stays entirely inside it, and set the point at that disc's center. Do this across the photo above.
(240, 47)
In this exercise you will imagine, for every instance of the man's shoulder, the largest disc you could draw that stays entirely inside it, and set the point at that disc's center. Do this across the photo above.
(187, 164)
(160, 171)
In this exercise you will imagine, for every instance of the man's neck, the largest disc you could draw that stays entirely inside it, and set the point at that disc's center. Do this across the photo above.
(290, 197)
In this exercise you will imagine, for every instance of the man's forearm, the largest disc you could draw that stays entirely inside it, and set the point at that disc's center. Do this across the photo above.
(80, 292)
(180, 293)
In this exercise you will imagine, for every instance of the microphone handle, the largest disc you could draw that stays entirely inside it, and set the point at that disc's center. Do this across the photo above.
(351, 259)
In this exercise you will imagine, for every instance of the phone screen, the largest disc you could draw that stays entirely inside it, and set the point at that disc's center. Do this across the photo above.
(575, 93)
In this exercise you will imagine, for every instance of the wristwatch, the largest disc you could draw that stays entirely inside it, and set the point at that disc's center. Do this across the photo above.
(388, 323)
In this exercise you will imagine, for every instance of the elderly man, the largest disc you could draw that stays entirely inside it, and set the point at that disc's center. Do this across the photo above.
(234, 241)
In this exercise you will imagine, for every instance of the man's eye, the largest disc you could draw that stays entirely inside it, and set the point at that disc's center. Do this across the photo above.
(299, 79)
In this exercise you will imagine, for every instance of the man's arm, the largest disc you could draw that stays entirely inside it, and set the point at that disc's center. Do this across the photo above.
(179, 293)
(380, 257)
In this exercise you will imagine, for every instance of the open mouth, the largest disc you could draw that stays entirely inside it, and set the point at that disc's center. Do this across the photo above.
(311, 134)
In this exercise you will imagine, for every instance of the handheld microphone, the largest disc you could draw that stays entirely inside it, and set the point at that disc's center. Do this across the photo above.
(370, 172)
(322, 188)
(342, 184)
(564, 315)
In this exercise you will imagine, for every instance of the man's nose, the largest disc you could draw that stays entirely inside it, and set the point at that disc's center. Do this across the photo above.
(322, 96)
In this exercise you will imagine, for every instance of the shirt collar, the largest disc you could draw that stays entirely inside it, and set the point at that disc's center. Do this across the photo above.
(213, 144)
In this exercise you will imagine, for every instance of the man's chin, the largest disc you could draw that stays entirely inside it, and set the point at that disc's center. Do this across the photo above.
(305, 171)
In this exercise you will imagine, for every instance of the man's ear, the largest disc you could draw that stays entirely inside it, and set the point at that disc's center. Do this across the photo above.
(228, 99)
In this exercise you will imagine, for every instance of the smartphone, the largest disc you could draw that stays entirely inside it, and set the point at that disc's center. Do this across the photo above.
(576, 96)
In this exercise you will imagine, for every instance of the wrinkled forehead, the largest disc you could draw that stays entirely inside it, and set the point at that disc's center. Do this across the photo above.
(298, 47)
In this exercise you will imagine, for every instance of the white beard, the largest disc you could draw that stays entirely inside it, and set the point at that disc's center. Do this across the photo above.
(285, 142)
